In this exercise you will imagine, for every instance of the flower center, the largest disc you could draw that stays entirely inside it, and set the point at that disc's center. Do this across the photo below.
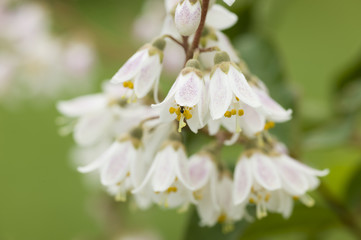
(182, 113)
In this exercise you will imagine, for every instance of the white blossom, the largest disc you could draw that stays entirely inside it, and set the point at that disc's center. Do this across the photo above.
(257, 178)
(188, 16)
(184, 99)
(142, 71)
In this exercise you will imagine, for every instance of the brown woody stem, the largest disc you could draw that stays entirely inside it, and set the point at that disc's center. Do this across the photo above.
(198, 34)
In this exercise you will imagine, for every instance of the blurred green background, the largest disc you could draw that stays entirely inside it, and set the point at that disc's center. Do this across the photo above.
(309, 54)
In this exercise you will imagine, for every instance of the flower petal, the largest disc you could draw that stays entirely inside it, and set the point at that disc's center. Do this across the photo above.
(306, 169)
(200, 167)
(265, 172)
(242, 181)
(131, 67)
(189, 90)
(274, 111)
(91, 128)
(229, 2)
(241, 88)
(220, 94)
(82, 105)
(164, 172)
(148, 74)
(220, 18)
(294, 181)
(118, 158)
(252, 121)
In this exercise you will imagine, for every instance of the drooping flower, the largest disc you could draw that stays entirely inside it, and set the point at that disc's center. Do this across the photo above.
(229, 91)
(98, 116)
(258, 177)
(184, 99)
(168, 177)
(188, 16)
(142, 71)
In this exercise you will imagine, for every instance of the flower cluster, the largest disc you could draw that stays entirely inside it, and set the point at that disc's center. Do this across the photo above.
(143, 151)
(34, 62)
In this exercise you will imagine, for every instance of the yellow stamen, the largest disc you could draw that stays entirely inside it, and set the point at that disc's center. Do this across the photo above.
(172, 189)
(237, 98)
(172, 110)
(267, 197)
(269, 125)
(222, 218)
(251, 200)
(228, 114)
(182, 124)
(187, 114)
(240, 112)
(178, 112)
(233, 111)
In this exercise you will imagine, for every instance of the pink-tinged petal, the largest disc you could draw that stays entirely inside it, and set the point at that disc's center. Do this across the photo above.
(189, 90)
(164, 173)
(207, 207)
(181, 168)
(306, 169)
(220, 18)
(187, 17)
(265, 172)
(293, 180)
(82, 105)
(242, 181)
(91, 128)
(241, 88)
(118, 157)
(170, 95)
(274, 111)
(200, 168)
(252, 121)
(220, 94)
(131, 67)
(148, 74)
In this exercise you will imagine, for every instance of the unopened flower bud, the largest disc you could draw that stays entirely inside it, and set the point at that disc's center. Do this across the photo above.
(221, 57)
(188, 16)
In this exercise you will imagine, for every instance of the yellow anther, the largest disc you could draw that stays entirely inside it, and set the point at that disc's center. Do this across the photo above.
(179, 117)
(251, 200)
(128, 84)
(222, 218)
(198, 195)
(267, 197)
(187, 114)
(178, 112)
(233, 111)
(228, 114)
(172, 189)
(269, 125)
(240, 112)
(296, 198)
(172, 110)
(237, 98)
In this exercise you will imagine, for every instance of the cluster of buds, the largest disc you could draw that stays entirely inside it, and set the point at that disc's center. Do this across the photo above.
(143, 151)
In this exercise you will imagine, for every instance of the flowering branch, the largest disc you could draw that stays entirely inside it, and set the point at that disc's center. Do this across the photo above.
(198, 34)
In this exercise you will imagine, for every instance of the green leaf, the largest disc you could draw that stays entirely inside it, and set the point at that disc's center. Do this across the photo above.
(353, 193)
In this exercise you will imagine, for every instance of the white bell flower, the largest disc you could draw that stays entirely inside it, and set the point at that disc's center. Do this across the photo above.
(168, 178)
(142, 71)
(187, 16)
(229, 91)
(102, 116)
(184, 99)
(259, 176)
